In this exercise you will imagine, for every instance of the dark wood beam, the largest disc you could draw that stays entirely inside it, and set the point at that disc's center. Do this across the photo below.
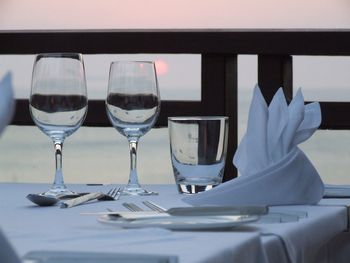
(219, 97)
(275, 72)
(231, 110)
(333, 42)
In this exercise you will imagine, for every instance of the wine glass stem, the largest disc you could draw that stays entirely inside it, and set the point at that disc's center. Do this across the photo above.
(133, 180)
(58, 183)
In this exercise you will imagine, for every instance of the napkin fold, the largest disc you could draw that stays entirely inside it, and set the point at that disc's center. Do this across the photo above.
(273, 170)
(7, 252)
(7, 102)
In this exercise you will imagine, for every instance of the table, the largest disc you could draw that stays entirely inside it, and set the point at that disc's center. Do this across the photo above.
(29, 228)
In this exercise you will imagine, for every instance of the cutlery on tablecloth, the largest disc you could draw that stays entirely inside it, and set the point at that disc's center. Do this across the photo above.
(189, 211)
(112, 195)
(48, 200)
(202, 210)
(132, 207)
(154, 206)
(268, 217)
(210, 210)
(73, 199)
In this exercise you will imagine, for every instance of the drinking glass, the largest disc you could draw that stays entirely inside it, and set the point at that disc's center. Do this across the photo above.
(133, 105)
(58, 103)
(198, 147)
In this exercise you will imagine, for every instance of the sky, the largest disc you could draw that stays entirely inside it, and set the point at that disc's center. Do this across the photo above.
(43, 14)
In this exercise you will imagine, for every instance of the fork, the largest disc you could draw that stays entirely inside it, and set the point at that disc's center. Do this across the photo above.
(111, 195)
(132, 207)
(135, 208)
(154, 206)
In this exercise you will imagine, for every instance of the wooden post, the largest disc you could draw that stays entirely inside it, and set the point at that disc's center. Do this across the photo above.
(219, 97)
(275, 71)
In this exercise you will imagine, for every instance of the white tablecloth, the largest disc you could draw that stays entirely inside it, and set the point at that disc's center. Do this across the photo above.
(303, 239)
(29, 228)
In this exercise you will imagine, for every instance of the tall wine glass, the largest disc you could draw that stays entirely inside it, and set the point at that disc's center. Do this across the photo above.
(133, 105)
(58, 103)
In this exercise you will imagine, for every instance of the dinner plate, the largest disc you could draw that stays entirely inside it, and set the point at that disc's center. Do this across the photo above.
(181, 222)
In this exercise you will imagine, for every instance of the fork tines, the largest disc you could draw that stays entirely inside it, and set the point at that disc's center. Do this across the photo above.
(154, 206)
(132, 207)
(113, 192)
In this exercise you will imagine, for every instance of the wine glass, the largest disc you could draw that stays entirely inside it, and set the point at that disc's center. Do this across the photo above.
(133, 105)
(58, 103)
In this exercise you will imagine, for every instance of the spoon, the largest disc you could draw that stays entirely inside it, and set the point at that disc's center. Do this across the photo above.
(48, 200)
(42, 200)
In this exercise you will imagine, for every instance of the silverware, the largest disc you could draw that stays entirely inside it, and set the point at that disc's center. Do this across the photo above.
(201, 210)
(42, 200)
(137, 212)
(48, 200)
(154, 207)
(111, 195)
(209, 210)
(132, 207)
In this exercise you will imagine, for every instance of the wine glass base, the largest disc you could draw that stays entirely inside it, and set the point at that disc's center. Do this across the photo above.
(136, 191)
(57, 192)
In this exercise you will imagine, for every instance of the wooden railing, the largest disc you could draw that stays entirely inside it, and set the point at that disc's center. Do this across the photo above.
(218, 50)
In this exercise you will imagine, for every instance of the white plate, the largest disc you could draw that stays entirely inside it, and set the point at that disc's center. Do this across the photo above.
(181, 222)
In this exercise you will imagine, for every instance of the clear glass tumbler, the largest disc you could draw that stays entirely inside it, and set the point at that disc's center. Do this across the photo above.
(198, 151)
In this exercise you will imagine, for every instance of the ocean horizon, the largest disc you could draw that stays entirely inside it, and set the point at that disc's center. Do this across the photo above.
(101, 155)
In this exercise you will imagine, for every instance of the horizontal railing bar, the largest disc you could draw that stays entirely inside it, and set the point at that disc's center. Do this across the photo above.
(289, 42)
(335, 115)
(97, 116)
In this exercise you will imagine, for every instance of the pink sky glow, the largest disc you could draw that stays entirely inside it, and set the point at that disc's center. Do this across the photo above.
(117, 14)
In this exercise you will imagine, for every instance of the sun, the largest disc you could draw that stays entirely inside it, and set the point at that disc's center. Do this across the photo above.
(161, 67)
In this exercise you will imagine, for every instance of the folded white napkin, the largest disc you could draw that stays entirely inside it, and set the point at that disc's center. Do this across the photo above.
(7, 102)
(274, 171)
(7, 252)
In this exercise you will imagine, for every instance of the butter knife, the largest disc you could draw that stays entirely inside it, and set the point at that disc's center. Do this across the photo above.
(190, 211)
(208, 210)
(80, 200)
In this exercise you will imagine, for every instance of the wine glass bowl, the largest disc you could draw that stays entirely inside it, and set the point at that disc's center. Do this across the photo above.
(58, 103)
(133, 105)
(58, 115)
(132, 115)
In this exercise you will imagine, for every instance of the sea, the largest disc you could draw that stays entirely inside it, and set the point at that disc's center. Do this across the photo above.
(101, 155)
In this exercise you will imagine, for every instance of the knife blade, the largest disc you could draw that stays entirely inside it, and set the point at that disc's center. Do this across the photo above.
(217, 210)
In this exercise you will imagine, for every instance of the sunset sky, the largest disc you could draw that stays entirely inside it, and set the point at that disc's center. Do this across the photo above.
(43, 14)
